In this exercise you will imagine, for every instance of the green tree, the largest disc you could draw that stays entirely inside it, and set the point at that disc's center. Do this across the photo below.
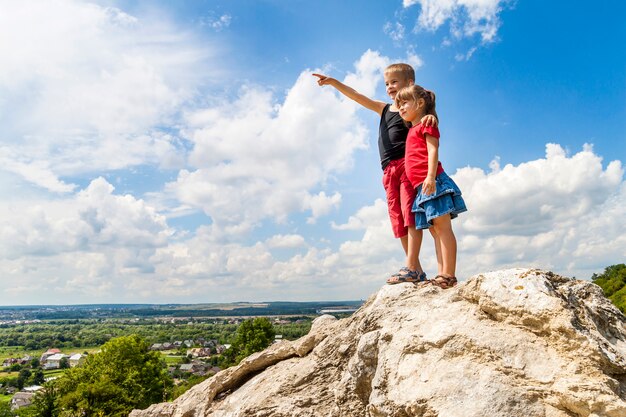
(123, 376)
(26, 412)
(23, 378)
(64, 363)
(5, 409)
(613, 283)
(185, 385)
(10, 381)
(253, 335)
(37, 377)
(45, 402)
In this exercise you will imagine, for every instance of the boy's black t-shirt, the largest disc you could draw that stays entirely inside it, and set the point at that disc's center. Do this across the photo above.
(391, 136)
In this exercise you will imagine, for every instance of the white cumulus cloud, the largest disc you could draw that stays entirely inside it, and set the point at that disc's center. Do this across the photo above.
(221, 22)
(85, 88)
(85, 244)
(466, 17)
(394, 30)
(285, 241)
(255, 158)
(560, 212)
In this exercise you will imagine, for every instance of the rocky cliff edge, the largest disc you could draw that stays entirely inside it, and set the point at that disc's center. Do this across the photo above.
(517, 342)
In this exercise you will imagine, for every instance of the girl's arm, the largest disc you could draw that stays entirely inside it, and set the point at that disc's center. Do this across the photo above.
(432, 145)
(351, 93)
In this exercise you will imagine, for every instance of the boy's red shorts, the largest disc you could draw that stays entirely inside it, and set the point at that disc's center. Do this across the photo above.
(400, 197)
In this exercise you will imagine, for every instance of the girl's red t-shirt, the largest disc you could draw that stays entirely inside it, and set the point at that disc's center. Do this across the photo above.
(416, 154)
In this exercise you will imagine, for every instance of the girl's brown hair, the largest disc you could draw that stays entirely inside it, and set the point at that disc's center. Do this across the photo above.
(414, 93)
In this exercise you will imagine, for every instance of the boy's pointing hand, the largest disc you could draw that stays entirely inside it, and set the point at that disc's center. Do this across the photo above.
(322, 79)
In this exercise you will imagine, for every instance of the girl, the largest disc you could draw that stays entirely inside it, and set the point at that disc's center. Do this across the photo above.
(438, 198)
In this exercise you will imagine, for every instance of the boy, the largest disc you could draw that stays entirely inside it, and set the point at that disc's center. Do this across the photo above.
(391, 146)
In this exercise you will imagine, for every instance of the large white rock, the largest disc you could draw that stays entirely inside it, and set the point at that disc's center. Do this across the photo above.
(508, 343)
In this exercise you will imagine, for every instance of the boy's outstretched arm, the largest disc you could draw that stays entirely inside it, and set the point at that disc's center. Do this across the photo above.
(351, 93)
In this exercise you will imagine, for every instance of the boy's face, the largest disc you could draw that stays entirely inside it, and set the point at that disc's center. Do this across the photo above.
(394, 82)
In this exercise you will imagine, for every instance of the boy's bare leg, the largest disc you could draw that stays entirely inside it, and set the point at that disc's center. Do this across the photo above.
(413, 249)
(405, 243)
(437, 250)
(443, 229)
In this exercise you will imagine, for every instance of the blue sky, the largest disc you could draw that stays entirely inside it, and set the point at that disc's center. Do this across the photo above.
(181, 152)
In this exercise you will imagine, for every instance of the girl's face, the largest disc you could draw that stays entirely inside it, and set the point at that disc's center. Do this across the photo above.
(409, 110)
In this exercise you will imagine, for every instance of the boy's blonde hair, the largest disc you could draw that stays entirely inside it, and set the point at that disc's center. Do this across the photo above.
(405, 70)
(414, 93)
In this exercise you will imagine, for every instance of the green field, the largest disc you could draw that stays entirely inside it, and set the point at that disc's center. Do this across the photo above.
(17, 352)
(47, 374)
(172, 359)
(53, 372)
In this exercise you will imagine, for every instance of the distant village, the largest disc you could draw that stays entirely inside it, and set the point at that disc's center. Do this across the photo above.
(50, 359)
(195, 357)
(197, 351)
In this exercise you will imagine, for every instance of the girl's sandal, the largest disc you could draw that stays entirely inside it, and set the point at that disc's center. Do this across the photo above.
(444, 282)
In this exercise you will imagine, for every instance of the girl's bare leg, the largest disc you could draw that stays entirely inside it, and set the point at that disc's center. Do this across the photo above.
(437, 250)
(443, 229)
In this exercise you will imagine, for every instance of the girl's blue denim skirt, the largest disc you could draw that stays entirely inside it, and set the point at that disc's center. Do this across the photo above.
(445, 200)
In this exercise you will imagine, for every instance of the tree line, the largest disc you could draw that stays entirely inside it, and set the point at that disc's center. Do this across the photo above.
(89, 333)
(613, 283)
